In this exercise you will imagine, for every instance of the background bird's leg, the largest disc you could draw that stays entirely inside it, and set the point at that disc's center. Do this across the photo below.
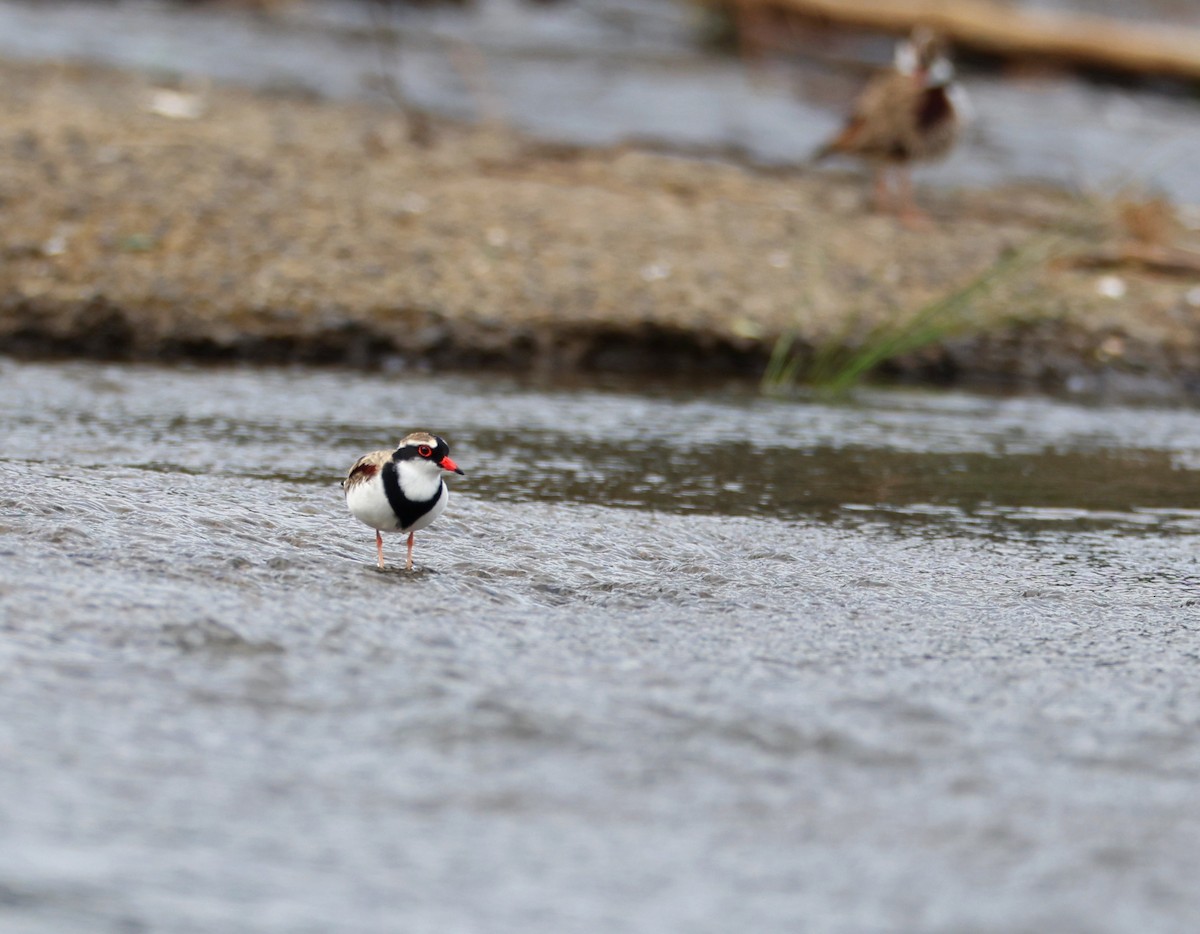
(408, 565)
(379, 547)
(910, 215)
(882, 197)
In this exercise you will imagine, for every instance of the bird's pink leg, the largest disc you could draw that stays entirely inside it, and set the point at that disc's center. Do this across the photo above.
(379, 547)
(408, 566)
(882, 197)
(910, 215)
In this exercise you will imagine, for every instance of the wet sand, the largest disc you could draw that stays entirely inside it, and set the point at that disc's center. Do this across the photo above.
(276, 228)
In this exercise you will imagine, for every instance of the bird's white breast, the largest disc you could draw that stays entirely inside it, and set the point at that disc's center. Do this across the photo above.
(419, 480)
(369, 505)
(436, 510)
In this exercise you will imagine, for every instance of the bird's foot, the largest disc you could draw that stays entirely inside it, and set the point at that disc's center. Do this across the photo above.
(913, 218)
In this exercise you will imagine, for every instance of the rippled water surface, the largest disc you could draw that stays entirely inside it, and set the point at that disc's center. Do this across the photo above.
(672, 661)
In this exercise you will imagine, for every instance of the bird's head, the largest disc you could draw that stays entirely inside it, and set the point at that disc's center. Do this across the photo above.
(426, 452)
(923, 55)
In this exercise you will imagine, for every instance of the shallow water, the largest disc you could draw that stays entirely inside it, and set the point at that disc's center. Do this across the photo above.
(606, 71)
(672, 661)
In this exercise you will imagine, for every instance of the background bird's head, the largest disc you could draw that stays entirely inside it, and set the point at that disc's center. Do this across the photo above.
(924, 56)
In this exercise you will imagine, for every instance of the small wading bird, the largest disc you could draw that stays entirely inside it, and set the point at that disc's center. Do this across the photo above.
(911, 113)
(400, 490)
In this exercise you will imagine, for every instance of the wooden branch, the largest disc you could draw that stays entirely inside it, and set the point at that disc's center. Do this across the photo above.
(1167, 261)
(1074, 39)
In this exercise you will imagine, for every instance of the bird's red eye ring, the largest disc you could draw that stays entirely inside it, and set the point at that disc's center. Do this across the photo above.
(424, 450)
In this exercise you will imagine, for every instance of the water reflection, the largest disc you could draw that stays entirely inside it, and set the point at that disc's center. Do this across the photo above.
(824, 480)
(937, 459)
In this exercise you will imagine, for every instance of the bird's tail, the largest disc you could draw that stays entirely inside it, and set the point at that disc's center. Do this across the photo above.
(842, 142)
(822, 152)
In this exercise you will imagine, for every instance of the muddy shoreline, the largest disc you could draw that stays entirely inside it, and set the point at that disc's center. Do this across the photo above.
(277, 229)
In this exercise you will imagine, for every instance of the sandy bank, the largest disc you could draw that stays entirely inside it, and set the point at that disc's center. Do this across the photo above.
(277, 229)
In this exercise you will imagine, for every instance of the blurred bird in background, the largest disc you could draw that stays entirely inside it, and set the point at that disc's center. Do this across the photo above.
(911, 113)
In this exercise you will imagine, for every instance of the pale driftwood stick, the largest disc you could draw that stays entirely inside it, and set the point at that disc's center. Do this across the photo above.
(1069, 38)
(1167, 261)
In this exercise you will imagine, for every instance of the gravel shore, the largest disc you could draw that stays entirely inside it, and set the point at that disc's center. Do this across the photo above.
(143, 222)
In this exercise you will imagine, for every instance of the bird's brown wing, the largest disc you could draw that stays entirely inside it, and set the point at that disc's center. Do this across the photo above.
(882, 124)
(365, 468)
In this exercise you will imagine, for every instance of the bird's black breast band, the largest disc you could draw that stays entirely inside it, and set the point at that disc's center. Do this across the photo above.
(407, 511)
